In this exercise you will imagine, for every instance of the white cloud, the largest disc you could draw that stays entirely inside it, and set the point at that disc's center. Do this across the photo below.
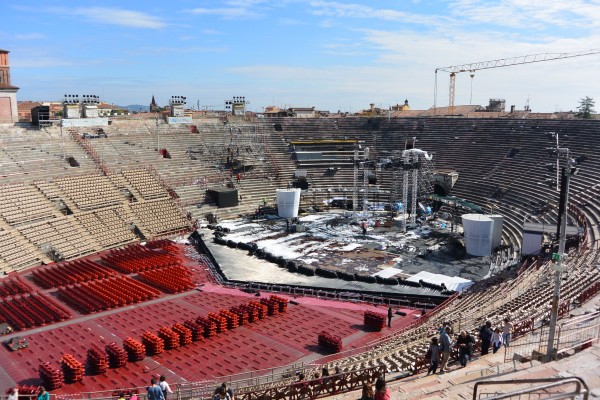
(117, 16)
(30, 36)
(227, 12)
(103, 15)
(334, 9)
(530, 14)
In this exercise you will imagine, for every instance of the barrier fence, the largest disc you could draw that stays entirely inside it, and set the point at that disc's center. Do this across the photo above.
(573, 335)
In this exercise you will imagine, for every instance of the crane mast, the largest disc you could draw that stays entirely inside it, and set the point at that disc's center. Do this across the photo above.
(499, 63)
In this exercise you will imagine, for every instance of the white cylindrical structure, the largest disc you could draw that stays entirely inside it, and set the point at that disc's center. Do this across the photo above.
(478, 229)
(288, 202)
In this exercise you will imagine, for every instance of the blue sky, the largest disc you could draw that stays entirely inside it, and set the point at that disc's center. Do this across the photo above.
(328, 54)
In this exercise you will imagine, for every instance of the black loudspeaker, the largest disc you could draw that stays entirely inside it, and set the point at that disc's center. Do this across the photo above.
(372, 179)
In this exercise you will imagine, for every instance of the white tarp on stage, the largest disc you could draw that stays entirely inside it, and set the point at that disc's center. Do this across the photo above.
(388, 272)
(451, 282)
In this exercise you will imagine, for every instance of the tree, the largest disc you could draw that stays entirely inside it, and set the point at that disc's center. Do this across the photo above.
(586, 108)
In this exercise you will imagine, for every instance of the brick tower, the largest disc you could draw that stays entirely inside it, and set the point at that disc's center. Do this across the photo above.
(8, 93)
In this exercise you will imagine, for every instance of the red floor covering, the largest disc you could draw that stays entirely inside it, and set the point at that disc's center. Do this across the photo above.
(275, 341)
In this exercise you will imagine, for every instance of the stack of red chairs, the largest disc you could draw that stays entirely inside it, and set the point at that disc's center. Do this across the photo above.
(136, 258)
(330, 343)
(272, 305)
(374, 321)
(283, 303)
(66, 273)
(135, 350)
(72, 369)
(242, 314)
(196, 328)
(170, 338)
(52, 377)
(261, 309)
(220, 321)
(251, 311)
(12, 286)
(117, 357)
(210, 327)
(97, 360)
(172, 279)
(232, 318)
(153, 343)
(185, 334)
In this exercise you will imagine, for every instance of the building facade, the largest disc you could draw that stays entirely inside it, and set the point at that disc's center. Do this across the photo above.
(9, 112)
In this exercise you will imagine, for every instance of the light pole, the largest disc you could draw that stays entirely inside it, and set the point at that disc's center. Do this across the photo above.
(569, 169)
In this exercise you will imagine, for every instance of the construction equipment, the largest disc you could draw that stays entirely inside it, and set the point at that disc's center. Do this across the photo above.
(502, 62)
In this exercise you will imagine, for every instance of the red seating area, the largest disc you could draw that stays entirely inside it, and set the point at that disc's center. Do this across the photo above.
(136, 258)
(330, 343)
(172, 279)
(52, 377)
(97, 360)
(154, 344)
(169, 338)
(66, 273)
(374, 321)
(72, 369)
(117, 357)
(136, 351)
(30, 310)
(106, 293)
(13, 286)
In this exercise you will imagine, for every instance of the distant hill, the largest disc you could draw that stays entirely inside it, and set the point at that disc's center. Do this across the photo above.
(136, 108)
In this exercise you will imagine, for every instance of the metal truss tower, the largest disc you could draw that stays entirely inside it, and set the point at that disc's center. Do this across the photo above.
(412, 172)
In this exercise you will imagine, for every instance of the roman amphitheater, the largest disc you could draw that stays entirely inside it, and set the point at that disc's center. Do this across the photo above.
(144, 248)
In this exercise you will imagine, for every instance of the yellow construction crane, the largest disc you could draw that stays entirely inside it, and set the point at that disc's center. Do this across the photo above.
(502, 62)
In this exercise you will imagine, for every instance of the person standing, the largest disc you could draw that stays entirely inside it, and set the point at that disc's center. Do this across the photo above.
(154, 391)
(496, 340)
(464, 342)
(367, 391)
(227, 389)
(485, 334)
(507, 330)
(381, 391)
(364, 228)
(445, 347)
(13, 394)
(42, 394)
(434, 355)
(164, 386)
(390, 315)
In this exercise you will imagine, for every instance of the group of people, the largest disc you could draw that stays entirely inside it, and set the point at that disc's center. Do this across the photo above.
(440, 348)
(158, 390)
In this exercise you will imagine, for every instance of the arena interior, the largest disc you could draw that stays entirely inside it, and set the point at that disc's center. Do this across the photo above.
(106, 283)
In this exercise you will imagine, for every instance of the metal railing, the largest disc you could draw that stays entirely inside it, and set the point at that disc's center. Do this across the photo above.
(549, 388)
(573, 335)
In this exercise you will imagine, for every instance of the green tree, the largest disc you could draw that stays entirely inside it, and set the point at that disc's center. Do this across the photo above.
(586, 108)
